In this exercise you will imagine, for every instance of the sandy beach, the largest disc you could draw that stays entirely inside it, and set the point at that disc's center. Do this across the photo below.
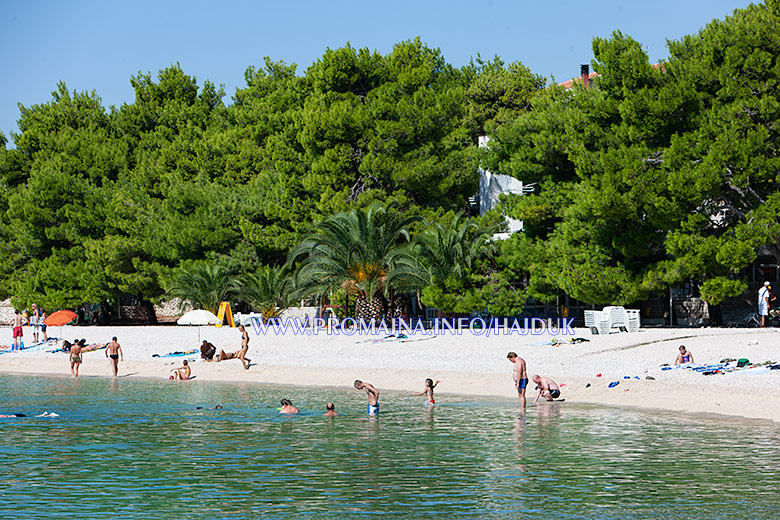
(465, 364)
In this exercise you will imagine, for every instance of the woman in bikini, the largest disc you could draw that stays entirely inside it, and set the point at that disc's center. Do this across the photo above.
(182, 373)
(241, 353)
(429, 386)
(75, 359)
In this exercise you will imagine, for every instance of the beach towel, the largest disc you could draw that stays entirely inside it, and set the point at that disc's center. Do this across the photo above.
(178, 353)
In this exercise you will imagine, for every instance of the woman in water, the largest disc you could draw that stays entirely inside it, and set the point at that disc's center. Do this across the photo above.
(429, 386)
(684, 356)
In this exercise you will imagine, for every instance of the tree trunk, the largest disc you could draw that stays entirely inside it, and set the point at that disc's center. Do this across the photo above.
(149, 308)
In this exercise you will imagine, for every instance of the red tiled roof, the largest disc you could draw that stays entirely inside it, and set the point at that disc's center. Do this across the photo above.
(570, 84)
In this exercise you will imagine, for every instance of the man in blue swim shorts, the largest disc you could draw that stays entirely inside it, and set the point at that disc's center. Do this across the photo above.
(519, 375)
(372, 394)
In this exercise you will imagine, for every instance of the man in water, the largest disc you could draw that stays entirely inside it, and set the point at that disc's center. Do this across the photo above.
(17, 330)
(114, 351)
(547, 388)
(75, 358)
(331, 410)
(288, 408)
(520, 376)
(372, 394)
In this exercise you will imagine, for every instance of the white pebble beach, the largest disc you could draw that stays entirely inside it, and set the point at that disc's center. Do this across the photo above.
(466, 364)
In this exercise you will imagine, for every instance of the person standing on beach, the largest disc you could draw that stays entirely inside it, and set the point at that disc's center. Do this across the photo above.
(75, 359)
(17, 330)
(241, 353)
(42, 323)
(519, 375)
(763, 303)
(372, 394)
(113, 351)
(35, 322)
(547, 388)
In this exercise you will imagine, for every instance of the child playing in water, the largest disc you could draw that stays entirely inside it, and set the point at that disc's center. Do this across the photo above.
(429, 386)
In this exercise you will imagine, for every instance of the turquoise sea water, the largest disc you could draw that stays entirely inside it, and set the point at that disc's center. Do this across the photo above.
(139, 449)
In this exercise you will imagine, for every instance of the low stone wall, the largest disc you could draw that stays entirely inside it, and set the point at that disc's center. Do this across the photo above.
(6, 311)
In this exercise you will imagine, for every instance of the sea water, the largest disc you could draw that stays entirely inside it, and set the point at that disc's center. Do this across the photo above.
(141, 449)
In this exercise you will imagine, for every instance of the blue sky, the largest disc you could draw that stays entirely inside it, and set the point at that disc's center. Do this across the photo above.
(99, 45)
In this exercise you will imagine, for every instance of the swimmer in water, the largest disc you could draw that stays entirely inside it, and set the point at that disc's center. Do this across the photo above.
(331, 410)
(288, 408)
(429, 386)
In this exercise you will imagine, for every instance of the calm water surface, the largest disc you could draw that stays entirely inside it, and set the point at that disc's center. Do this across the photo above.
(139, 449)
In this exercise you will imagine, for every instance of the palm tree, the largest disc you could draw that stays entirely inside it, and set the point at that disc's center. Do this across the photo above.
(449, 250)
(266, 290)
(205, 285)
(355, 250)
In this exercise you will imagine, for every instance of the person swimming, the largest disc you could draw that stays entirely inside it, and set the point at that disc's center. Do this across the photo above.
(429, 386)
(287, 407)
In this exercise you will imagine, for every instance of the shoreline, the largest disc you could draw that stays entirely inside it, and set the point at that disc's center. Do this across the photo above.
(466, 365)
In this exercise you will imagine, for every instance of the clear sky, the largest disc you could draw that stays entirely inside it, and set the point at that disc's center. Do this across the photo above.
(99, 44)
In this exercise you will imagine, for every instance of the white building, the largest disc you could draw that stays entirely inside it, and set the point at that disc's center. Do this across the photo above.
(491, 186)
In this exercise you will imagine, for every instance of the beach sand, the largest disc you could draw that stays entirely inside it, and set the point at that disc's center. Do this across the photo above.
(465, 364)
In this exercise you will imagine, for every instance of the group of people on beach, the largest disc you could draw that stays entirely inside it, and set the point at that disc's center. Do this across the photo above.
(207, 351)
(36, 320)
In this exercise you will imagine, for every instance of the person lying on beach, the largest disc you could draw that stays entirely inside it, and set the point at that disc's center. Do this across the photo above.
(684, 356)
(113, 351)
(75, 358)
(241, 353)
(372, 394)
(183, 372)
(287, 407)
(331, 410)
(207, 351)
(429, 386)
(547, 388)
(519, 375)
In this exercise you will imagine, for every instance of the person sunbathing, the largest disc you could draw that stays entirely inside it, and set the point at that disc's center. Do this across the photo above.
(241, 353)
(182, 373)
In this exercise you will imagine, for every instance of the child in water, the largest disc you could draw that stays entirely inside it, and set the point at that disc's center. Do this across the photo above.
(429, 386)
